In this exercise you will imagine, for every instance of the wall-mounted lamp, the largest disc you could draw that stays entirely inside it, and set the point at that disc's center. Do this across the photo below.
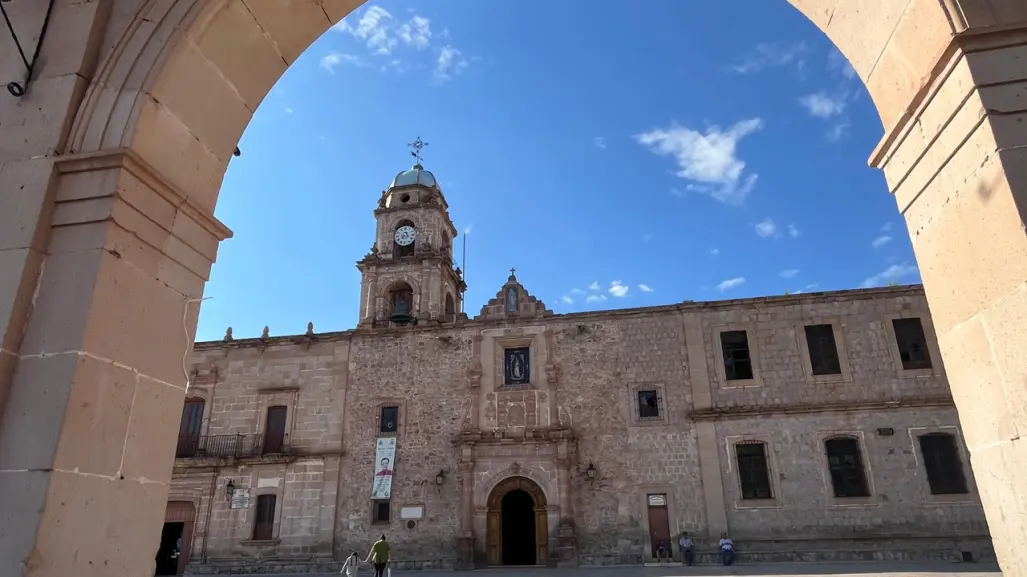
(230, 489)
(440, 478)
(591, 472)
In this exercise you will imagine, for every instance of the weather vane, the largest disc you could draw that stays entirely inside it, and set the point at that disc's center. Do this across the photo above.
(415, 148)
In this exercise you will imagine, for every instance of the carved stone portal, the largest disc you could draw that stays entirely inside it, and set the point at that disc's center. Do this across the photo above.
(494, 525)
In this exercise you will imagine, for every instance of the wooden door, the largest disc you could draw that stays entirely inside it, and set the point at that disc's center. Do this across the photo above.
(182, 512)
(189, 430)
(493, 538)
(659, 529)
(274, 430)
(541, 536)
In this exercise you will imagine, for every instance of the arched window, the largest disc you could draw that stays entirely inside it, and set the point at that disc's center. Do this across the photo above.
(401, 300)
(450, 308)
(404, 239)
(845, 463)
(944, 466)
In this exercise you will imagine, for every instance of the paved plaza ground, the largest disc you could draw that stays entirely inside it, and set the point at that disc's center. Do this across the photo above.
(775, 570)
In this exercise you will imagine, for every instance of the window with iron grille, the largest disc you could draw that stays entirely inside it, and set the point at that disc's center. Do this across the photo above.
(943, 464)
(823, 350)
(649, 402)
(912, 343)
(263, 526)
(753, 470)
(388, 420)
(845, 463)
(737, 360)
(380, 512)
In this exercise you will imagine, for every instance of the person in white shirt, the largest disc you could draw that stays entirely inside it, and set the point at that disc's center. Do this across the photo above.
(349, 568)
(687, 548)
(727, 550)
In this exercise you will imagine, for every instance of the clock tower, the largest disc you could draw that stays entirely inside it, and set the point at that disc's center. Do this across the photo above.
(409, 277)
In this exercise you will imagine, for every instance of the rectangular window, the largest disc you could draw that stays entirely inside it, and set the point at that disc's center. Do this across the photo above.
(753, 471)
(944, 466)
(264, 525)
(189, 429)
(909, 336)
(737, 362)
(823, 350)
(845, 462)
(648, 405)
(517, 366)
(274, 430)
(381, 512)
(388, 420)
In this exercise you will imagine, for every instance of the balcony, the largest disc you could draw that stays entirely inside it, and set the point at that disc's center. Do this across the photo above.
(228, 447)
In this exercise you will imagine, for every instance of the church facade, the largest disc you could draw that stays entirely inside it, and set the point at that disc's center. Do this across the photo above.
(808, 427)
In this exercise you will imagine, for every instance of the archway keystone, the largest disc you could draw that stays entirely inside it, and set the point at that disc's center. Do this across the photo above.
(110, 168)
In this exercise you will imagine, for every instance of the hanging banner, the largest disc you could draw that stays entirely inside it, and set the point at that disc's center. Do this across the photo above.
(384, 461)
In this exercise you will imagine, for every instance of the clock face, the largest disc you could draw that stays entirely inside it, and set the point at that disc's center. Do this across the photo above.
(405, 235)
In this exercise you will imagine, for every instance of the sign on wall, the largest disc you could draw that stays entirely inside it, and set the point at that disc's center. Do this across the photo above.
(240, 499)
(384, 463)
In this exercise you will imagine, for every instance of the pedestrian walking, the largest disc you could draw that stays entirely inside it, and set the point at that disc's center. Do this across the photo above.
(379, 556)
(349, 568)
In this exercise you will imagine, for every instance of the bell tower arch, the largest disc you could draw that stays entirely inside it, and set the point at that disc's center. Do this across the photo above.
(409, 277)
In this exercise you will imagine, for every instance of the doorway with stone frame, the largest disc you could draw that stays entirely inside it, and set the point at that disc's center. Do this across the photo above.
(517, 524)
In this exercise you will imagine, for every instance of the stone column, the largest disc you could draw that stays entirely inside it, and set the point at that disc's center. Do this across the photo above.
(956, 163)
(465, 547)
(371, 304)
(87, 433)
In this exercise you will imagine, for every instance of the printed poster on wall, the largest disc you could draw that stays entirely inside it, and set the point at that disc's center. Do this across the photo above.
(384, 461)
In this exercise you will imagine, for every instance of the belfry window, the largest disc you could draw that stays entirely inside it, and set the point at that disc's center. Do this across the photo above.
(401, 302)
(404, 239)
(450, 314)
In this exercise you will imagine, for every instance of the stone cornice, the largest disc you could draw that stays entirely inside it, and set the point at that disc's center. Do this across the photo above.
(685, 307)
(723, 413)
(126, 159)
(540, 435)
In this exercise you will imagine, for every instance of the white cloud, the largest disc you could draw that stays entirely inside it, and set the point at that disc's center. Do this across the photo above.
(374, 27)
(823, 106)
(599, 142)
(416, 32)
(837, 131)
(577, 291)
(772, 55)
(892, 274)
(567, 300)
(595, 298)
(333, 59)
(881, 241)
(793, 231)
(788, 273)
(594, 286)
(618, 289)
(767, 229)
(887, 226)
(676, 193)
(289, 111)
(449, 63)
(645, 288)
(731, 283)
(715, 251)
(708, 159)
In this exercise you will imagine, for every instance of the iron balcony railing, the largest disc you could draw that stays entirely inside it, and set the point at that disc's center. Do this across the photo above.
(228, 447)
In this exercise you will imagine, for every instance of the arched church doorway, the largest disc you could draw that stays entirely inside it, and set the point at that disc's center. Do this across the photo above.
(517, 524)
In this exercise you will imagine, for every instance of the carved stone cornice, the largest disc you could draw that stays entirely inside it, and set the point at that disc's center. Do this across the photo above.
(721, 413)
(529, 435)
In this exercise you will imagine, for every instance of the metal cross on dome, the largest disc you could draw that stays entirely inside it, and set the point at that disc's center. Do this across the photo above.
(415, 148)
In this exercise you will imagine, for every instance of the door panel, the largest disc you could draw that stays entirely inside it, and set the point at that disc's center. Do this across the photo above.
(541, 536)
(274, 430)
(659, 529)
(493, 538)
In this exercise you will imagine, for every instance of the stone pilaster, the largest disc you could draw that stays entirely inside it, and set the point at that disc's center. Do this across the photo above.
(957, 166)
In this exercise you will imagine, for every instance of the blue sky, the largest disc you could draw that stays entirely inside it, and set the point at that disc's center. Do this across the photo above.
(617, 154)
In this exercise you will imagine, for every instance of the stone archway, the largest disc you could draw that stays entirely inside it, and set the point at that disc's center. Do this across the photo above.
(518, 496)
(110, 168)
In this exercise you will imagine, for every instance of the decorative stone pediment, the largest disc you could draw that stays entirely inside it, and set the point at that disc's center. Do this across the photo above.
(513, 301)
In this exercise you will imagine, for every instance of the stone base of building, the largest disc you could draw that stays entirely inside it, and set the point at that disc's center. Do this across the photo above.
(969, 549)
